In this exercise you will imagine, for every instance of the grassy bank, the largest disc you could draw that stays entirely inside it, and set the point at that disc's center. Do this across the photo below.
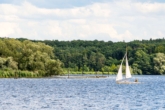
(92, 73)
(19, 74)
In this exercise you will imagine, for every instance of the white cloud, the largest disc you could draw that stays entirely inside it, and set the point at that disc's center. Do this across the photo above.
(150, 7)
(117, 21)
(160, 34)
(7, 29)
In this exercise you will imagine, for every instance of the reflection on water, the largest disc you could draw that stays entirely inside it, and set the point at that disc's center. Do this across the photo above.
(82, 94)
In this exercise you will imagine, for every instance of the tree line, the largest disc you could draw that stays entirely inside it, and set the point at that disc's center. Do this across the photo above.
(34, 58)
(145, 56)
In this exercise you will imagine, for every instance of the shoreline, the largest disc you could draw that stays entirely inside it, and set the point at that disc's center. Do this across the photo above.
(80, 76)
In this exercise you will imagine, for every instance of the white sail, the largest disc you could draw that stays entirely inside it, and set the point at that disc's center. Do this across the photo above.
(128, 73)
(119, 74)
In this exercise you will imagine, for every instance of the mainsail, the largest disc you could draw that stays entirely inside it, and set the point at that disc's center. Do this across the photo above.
(128, 73)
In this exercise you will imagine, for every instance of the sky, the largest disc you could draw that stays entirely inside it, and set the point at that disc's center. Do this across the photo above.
(66, 20)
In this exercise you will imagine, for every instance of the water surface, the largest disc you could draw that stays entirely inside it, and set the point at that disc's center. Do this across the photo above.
(82, 94)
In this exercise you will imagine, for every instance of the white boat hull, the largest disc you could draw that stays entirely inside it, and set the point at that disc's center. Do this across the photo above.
(127, 82)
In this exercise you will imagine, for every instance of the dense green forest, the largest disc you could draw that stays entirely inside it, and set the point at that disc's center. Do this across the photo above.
(34, 58)
(145, 57)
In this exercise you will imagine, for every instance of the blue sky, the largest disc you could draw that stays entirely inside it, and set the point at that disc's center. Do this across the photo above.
(108, 20)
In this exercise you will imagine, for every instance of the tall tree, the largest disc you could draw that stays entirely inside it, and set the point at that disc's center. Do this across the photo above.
(159, 63)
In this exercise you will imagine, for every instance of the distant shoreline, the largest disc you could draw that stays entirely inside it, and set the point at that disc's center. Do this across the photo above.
(80, 76)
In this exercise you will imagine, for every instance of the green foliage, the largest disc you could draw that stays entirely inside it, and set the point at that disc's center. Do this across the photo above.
(27, 58)
(159, 63)
(11, 64)
(45, 58)
(53, 67)
(2, 62)
(113, 68)
(105, 69)
(9, 73)
(160, 49)
(96, 55)
(142, 62)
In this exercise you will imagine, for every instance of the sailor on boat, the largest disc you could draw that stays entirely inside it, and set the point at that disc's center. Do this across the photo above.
(136, 80)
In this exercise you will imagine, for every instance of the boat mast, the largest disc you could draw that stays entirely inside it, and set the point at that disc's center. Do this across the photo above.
(125, 60)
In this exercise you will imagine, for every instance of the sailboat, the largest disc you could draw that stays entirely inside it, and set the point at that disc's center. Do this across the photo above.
(120, 79)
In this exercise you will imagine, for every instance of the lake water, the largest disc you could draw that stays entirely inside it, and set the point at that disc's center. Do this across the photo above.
(82, 94)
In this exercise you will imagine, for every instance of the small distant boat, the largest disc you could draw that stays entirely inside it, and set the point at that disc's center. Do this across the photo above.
(119, 78)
